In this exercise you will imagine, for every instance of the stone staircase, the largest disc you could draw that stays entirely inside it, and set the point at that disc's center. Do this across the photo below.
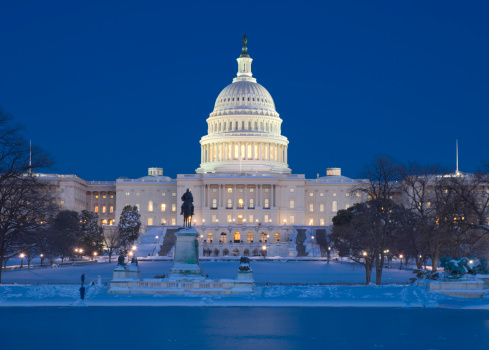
(168, 242)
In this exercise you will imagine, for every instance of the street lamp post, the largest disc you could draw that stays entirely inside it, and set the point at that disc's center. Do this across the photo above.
(264, 251)
(313, 246)
(400, 259)
(42, 258)
(329, 254)
(22, 260)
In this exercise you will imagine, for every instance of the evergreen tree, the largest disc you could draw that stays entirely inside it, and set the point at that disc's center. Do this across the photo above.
(91, 235)
(63, 235)
(129, 225)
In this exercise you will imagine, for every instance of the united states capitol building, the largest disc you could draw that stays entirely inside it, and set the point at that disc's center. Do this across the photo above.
(246, 197)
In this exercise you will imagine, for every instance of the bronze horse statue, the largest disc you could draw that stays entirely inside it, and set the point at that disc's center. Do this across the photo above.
(187, 208)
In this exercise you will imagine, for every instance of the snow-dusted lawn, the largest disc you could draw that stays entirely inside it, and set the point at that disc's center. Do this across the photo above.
(299, 296)
(264, 271)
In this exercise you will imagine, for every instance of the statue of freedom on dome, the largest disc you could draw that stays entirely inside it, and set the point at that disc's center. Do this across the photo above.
(187, 208)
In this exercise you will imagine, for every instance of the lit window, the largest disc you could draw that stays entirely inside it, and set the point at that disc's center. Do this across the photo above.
(321, 222)
(428, 204)
(291, 219)
(358, 194)
(230, 190)
(252, 190)
(335, 206)
(150, 222)
(292, 204)
(214, 203)
(252, 203)
(111, 209)
(229, 218)
(62, 204)
(267, 204)
(210, 237)
(163, 194)
(250, 218)
(265, 218)
(276, 237)
(138, 194)
(214, 190)
(127, 194)
(311, 207)
(250, 237)
(347, 194)
(241, 190)
(163, 207)
(163, 221)
(137, 207)
(214, 218)
(311, 194)
(321, 207)
(173, 221)
(334, 194)
(224, 237)
(104, 196)
(104, 209)
(230, 203)
(96, 208)
(111, 196)
(292, 189)
(96, 196)
(150, 206)
(173, 194)
(266, 189)
(321, 194)
(347, 206)
(173, 207)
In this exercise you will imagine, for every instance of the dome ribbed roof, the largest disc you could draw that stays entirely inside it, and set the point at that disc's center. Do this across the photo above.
(244, 95)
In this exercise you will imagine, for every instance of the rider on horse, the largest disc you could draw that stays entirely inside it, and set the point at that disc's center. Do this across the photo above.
(187, 208)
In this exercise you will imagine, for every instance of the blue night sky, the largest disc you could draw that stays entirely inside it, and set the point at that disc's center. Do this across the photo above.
(110, 88)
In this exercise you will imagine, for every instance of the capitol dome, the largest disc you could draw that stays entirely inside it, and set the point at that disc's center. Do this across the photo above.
(244, 95)
(244, 129)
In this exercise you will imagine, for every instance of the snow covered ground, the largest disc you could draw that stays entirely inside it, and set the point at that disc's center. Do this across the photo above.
(277, 295)
(291, 272)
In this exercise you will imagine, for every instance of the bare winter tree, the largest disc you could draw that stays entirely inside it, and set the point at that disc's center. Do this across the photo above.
(25, 202)
(112, 241)
(381, 191)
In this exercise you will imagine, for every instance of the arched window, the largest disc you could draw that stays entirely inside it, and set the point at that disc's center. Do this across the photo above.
(267, 204)
(216, 252)
(236, 252)
(246, 252)
(214, 203)
(255, 252)
(224, 237)
(230, 203)
(335, 206)
(263, 237)
(252, 203)
(276, 237)
(225, 252)
(150, 206)
(250, 237)
(163, 207)
(210, 237)
(237, 237)
(240, 203)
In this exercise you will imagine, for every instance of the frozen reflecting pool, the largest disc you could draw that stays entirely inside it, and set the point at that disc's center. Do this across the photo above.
(242, 328)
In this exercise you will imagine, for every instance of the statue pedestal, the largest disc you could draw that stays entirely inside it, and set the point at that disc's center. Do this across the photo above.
(186, 260)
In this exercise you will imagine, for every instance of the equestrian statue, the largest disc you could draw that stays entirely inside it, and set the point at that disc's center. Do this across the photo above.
(187, 208)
